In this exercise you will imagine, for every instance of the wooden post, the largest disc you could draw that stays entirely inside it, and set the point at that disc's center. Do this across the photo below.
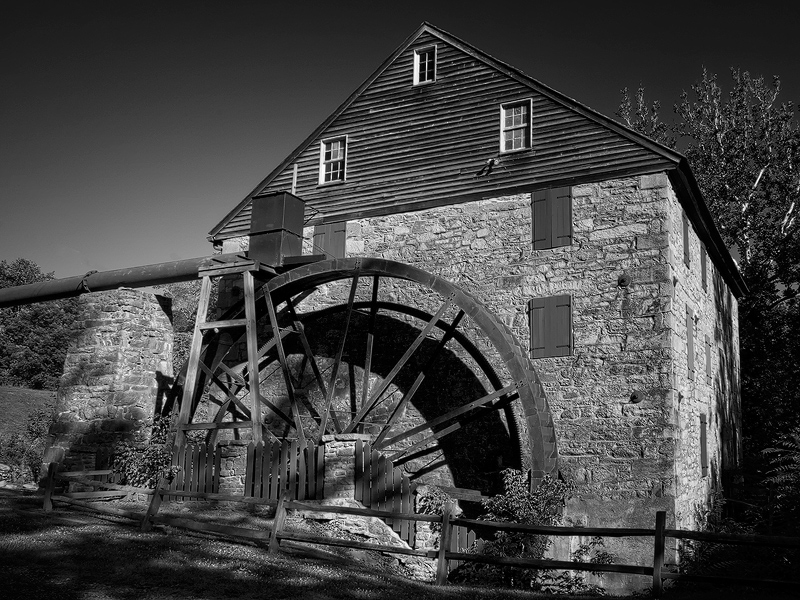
(658, 553)
(444, 544)
(155, 504)
(277, 523)
(49, 486)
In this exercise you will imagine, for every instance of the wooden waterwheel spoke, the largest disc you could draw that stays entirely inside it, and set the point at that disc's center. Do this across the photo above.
(396, 369)
(448, 416)
(448, 335)
(422, 443)
(373, 311)
(309, 354)
(336, 363)
(276, 335)
(226, 390)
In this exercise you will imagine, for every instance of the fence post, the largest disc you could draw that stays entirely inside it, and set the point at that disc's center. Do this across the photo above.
(49, 486)
(444, 544)
(658, 553)
(155, 504)
(277, 523)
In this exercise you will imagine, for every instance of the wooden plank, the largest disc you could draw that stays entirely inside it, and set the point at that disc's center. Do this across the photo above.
(221, 497)
(406, 526)
(557, 530)
(202, 467)
(252, 353)
(103, 494)
(266, 467)
(292, 459)
(277, 524)
(207, 527)
(284, 469)
(532, 563)
(111, 486)
(84, 473)
(658, 553)
(217, 467)
(259, 456)
(733, 538)
(101, 508)
(313, 539)
(444, 544)
(215, 325)
(358, 476)
(195, 470)
(249, 467)
(224, 425)
(302, 480)
(365, 512)
(181, 475)
(275, 473)
(320, 475)
(375, 480)
(190, 381)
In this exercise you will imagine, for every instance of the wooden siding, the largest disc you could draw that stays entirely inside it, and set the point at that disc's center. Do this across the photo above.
(413, 147)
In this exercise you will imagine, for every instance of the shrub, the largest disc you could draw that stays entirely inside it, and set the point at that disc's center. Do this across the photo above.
(144, 466)
(23, 451)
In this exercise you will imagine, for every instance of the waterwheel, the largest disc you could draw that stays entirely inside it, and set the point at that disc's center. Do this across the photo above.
(375, 347)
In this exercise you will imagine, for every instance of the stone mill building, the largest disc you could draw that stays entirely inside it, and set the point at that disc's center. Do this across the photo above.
(587, 241)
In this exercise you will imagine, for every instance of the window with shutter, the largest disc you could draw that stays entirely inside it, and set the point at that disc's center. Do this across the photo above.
(330, 239)
(552, 218)
(708, 360)
(685, 240)
(550, 326)
(703, 272)
(703, 445)
(690, 342)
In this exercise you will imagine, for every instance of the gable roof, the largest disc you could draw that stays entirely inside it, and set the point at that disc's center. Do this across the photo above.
(651, 157)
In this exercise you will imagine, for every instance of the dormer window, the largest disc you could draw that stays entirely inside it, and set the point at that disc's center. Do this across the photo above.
(425, 65)
(515, 126)
(332, 159)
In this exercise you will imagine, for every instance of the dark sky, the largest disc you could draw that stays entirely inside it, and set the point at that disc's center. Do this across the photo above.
(129, 129)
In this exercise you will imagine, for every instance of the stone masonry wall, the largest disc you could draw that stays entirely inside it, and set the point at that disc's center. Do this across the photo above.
(714, 394)
(118, 365)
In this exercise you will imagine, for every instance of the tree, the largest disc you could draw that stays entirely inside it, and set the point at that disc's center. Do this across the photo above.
(33, 338)
(744, 149)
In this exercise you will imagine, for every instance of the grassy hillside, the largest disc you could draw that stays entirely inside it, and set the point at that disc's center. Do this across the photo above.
(17, 403)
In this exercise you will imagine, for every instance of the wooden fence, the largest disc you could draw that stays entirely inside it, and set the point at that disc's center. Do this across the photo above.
(448, 554)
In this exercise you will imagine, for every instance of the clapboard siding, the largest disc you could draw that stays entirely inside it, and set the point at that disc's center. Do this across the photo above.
(412, 147)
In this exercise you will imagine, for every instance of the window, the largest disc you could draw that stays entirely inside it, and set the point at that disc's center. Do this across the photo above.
(425, 65)
(708, 361)
(551, 213)
(685, 240)
(332, 160)
(515, 126)
(330, 239)
(690, 343)
(550, 326)
(703, 270)
(703, 444)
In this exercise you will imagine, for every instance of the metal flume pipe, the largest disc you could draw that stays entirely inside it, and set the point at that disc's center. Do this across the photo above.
(168, 272)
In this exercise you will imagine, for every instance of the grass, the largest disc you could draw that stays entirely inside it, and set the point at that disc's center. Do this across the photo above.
(77, 555)
(17, 403)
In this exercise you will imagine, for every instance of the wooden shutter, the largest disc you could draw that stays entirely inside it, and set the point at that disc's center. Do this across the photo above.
(703, 267)
(690, 342)
(703, 445)
(708, 360)
(330, 239)
(685, 240)
(552, 218)
(551, 326)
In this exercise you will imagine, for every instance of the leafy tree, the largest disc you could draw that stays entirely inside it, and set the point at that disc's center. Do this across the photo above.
(744, 149)
(33, 338)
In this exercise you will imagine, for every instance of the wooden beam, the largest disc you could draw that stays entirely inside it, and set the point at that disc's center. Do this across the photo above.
(252, 355)
(185, 414)
(373, 312)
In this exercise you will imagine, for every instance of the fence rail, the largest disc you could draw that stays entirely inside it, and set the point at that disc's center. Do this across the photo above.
(447, 555)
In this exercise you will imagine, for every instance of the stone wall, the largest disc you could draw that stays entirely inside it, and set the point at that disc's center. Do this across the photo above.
(118, 366)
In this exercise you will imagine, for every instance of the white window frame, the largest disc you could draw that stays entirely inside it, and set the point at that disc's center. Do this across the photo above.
(417, 63)
(526, 128)
(323, 163)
